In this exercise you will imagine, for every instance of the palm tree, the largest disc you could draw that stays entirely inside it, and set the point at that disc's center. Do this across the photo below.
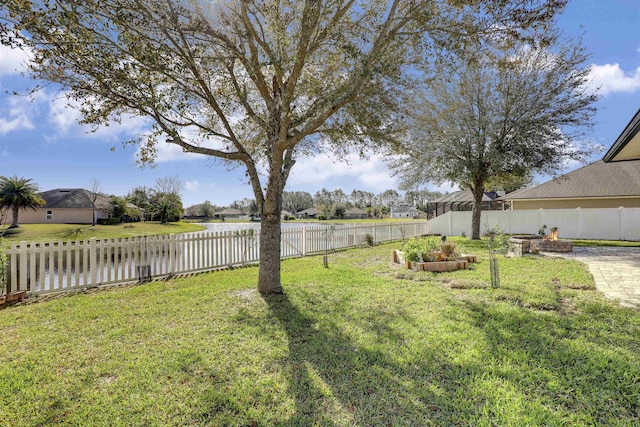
(18, 193)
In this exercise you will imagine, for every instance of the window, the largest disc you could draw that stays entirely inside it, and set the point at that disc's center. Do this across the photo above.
(49, 215)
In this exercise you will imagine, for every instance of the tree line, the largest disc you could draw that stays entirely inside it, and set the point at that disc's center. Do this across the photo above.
(332, 203)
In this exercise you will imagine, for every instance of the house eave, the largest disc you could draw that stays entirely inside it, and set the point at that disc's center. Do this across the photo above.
(573, 198)
(629, 134)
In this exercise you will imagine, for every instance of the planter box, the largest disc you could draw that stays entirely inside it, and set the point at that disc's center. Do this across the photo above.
(435, 266)
(16, 296)
(468, 258)
(442, 266)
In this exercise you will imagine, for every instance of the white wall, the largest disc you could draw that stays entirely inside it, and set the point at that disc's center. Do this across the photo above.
(605, 224)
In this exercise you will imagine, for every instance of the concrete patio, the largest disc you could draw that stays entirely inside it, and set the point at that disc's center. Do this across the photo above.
(616, 271)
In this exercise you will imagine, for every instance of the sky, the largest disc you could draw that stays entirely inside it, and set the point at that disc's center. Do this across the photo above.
(40, 137)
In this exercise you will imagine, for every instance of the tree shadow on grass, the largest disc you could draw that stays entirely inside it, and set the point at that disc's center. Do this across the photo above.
(335, 381)
(575, 371)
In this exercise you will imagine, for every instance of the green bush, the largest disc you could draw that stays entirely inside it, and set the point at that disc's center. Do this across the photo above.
(322, 217)
(109, 221)
(417, 249)
(368, 239)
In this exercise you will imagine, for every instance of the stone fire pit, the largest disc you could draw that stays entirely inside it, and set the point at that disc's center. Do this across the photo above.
(554, 245)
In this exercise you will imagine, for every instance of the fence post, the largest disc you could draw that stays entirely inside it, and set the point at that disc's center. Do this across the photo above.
(579, 223)
(304, 241)
(375, 232)
(620, 216)
(93, 268)
(229, 242)
(13, 264)
(172, 254)
(22, 283)
(355, 233)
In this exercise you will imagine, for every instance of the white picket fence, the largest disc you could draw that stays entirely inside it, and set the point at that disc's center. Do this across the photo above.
(41, 268)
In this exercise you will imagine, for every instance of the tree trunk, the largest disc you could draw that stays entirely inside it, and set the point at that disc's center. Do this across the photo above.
(93, 216)
(269, 272)
(478, 193)
(14, 221)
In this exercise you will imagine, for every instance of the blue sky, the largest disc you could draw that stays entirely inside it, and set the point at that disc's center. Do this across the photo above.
(40, 137)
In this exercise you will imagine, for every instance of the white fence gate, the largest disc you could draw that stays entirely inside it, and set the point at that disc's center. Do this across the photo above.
(598, 224)
(41, 268)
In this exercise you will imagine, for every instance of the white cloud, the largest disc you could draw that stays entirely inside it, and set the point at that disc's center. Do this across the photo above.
(371, 174)
(19, 115)
(64, 115)
(191, 185)
(12, 61)
(610, 78)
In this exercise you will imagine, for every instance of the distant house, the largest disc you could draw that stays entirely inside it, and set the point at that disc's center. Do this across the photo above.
(231, 213)
(66, 206)
(355, 213)
(308, 213)
(611, 182)
(404, 211)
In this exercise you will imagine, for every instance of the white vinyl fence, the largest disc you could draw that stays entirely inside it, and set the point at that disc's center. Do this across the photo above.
(599, 224)
(41, 268)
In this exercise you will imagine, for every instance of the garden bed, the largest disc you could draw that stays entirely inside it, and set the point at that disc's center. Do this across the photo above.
(461, 262)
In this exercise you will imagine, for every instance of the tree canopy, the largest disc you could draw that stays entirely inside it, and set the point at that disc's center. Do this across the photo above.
(501, 115)
(254, 82)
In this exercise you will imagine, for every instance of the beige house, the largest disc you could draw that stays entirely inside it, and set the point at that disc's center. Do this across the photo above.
(66, 206)
(355, 213)
(611, 182)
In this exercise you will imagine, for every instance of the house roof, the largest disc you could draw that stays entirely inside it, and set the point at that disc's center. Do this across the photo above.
(465, 196)
(355, 211)
(627, 145)
(310, 211)
(404, 209)
(72, 198)
(231, 211)
(598, 179)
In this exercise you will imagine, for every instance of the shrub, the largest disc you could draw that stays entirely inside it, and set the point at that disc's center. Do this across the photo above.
(417, 249)
(449, 250)
(368, 239)
(322, 217)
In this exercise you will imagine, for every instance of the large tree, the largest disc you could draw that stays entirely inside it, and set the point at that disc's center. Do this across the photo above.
(255, 83)
(18, 194)
(501, 114)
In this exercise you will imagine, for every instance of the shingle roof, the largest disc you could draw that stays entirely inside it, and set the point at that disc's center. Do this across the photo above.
(71, 198)
(598, 179)
(404, 209)
(355, 211)
(461, 197)
(230, 211)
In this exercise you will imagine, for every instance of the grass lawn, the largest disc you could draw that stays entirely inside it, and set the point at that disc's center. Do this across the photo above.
(363, 342)
(54, 232)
